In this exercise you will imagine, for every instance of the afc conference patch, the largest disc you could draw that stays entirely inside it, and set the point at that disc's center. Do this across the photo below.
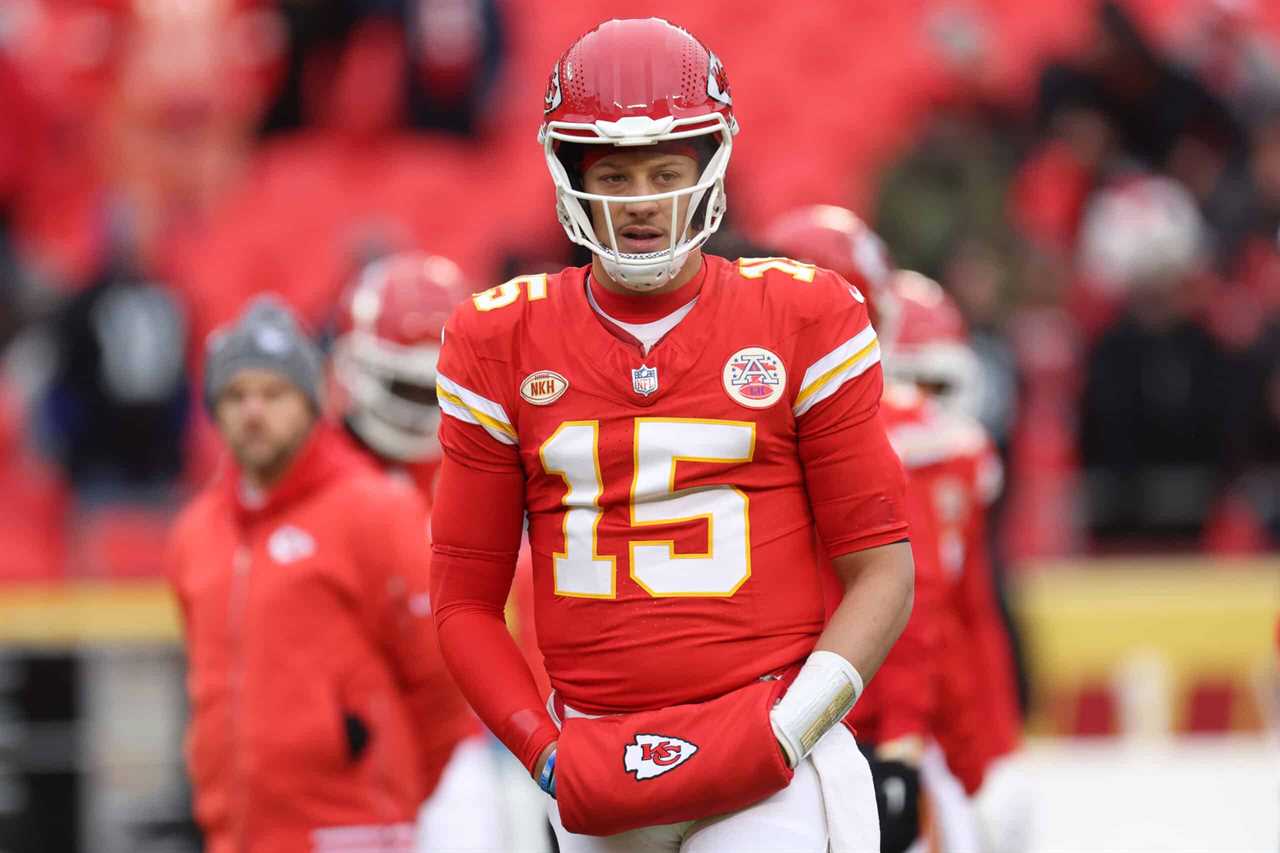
(755, 377)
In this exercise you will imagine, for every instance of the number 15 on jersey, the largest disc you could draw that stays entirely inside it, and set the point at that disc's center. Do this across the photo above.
(572, 452)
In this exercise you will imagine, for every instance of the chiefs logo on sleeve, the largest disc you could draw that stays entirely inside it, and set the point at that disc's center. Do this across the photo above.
(652, 755)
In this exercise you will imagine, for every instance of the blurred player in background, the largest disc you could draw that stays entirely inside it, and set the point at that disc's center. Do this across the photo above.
(949, 679)
(675, 426)
(978, 723)
(312, 660)
(385, 355)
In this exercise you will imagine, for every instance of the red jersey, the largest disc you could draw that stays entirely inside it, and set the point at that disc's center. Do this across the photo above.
(903, 699)
(672, 496)
(954, 468)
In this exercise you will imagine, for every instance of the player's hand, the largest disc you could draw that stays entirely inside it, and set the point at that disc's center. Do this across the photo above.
(897, 784)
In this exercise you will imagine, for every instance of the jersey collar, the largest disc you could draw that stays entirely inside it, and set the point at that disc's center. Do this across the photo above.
(646, 308)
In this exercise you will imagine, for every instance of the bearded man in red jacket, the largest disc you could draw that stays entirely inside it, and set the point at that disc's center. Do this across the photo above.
(321, 713)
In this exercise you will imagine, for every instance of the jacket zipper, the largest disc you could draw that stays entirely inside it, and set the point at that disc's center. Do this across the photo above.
(240, 565)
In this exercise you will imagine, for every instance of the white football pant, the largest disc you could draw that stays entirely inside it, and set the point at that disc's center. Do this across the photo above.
(951, 811)
(461, 815)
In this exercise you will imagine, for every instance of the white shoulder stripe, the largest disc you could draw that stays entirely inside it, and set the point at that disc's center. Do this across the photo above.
(470, 407)
(826, 375)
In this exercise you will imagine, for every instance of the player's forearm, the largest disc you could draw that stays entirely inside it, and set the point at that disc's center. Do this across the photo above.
(877, 602)
(468, 591)
(879, 586)
(495, 679)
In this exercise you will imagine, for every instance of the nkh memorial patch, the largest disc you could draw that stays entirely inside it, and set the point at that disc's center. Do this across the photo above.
(543, 387)
(653, 755)
(755, 377)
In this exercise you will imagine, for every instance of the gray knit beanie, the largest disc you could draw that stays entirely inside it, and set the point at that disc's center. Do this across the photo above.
(268, 337)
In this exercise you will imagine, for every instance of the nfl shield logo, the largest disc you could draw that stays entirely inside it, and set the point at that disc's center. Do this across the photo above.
(644, 380)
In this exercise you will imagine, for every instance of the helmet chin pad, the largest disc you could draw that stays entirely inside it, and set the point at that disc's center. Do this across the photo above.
(393, 441)
(643, 273)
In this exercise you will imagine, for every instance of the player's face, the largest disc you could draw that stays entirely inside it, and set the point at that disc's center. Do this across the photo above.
(264, 419)
(641, 226)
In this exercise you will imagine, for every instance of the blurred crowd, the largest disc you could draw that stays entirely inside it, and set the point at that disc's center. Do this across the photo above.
(1097, 186)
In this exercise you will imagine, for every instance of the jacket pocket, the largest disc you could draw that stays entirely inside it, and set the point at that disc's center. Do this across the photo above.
(358, 735)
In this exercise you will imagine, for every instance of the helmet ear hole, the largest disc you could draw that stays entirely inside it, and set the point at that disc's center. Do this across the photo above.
(572, 155)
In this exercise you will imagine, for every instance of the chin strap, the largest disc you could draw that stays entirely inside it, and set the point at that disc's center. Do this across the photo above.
(824, 691)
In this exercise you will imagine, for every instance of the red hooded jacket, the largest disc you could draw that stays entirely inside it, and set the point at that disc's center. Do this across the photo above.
(318, 696)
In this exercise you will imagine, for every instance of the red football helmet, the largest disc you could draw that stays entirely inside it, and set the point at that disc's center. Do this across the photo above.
(930, 345)
(835, 238)
(630, 83)
(389, 327)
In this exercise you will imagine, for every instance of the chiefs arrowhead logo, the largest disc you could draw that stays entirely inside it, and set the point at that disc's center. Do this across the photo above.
(553, 98)
(653, 755)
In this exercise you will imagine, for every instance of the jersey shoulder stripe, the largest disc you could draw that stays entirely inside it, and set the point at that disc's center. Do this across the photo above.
(830, 372)
(470, 407)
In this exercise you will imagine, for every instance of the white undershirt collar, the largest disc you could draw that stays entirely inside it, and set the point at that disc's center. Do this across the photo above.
(649, 333)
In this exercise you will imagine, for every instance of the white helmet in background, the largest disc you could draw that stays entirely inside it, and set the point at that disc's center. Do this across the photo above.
(387, 350)
(930, 345)
(1143, 233)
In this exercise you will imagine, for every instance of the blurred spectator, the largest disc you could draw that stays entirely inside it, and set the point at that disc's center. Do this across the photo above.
(1158, 387)
(1162, 115)
(116, 408)
(1258, 480)
(1224, 46)
(385, 64)
(949, 188)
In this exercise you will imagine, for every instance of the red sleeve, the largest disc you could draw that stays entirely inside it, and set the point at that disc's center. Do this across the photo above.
(474, 559)
(476, 428)
(400, 615)
(857, 489)
(855, 481)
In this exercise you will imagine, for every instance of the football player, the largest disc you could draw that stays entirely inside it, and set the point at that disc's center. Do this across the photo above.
(386, 349)
(978, 723)
(895, 717)
(953, 473)
(693, 442)
(385, 353)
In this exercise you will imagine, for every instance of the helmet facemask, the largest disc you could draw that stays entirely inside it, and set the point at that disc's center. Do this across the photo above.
(392, 390)
(948, 373)
(704, 200)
